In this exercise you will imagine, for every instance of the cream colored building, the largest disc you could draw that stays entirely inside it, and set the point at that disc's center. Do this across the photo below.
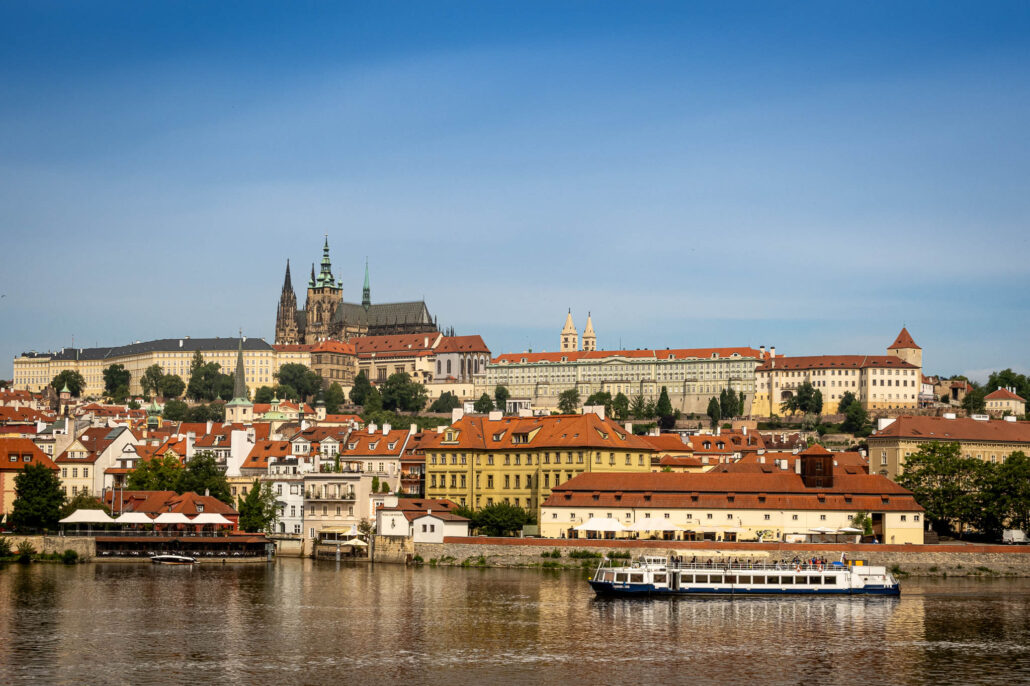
(34, 371)
(775, 506)
(879, 382)
(988, 440)
(1004, 401)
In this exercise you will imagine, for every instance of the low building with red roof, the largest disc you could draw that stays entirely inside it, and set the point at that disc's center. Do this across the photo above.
(1005, 401)
(424, 520)
(773, 504)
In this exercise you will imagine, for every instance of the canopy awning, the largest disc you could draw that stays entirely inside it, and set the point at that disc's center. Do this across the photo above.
(172, 518)
(849, 530)
(210, 518)
(356, 542)
(598, 524)
(88, 517)
(133, 518)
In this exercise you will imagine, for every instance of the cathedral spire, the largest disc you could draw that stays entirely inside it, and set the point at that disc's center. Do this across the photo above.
(311, 283)
(239, 391)
(287, 284)
(325, 276)
(366, 291)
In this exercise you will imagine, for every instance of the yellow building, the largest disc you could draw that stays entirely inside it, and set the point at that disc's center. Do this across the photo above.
(482, 460)
(34, 371)
(988, 440)
(879, 382)
(773, 504)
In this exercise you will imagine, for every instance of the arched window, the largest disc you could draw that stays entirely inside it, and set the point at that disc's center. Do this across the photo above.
(448, 366)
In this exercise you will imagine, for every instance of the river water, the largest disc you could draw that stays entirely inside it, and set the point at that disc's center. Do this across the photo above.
(307, 622)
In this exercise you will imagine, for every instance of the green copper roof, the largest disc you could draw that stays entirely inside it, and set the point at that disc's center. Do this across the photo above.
(66, 389)
(366, 291)
(239, 391)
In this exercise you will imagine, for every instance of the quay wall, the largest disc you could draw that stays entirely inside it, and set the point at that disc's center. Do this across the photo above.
(85, 546)
(397, 549)
(923, 560)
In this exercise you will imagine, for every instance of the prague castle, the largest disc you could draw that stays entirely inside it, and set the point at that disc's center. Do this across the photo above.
(327, 317)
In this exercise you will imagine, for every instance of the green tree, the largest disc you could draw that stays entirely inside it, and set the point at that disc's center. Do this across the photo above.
(334, 398)
(664, 406)
(150, 382)
(175, 410)
(501, 395)
(728, 403)
(259, 510)
(568, 401)
(638, 408)
(862, 520)
(484, 404)
(301, 378)
(856, 420)
(198, 413)
(845, 402)
(809, 400)
(445, 403)
(714, 411)
(1011, 491)
(72, 379)
(172, 386)
(502, 519)
(205, 379)
(360, 389)
(402, 394)
(225, 387)
(815, 404)
(285, 391)
(157, 474)
(742, 403)
(946, 484)
(790, 404)
(974, 402)
(202, 473)
(263, 395)
(1009, 379)
(620, 407)
(601, 398)
(38, 497)
(82, 501)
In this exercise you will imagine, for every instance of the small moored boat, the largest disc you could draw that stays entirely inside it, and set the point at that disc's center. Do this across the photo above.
(169, 559)
(660, 576)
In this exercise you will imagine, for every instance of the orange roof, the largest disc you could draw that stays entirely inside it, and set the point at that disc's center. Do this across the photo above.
(835, 362)
(1003, 394)
(407, 343)
(18, 449)
(477, 432)
(779, 490)
(669, 443)
(157, 502)
(374, 445)
(343, 418)
(262, 450)
(680, 461)
(462, 344)
(674, 354)
(335, 347)
(904, 340)
(413, 508)
(958, 429)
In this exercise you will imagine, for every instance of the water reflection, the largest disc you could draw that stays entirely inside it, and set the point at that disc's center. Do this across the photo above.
(302, 621)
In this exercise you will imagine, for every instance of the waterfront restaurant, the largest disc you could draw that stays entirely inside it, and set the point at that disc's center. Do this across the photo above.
(808, 504)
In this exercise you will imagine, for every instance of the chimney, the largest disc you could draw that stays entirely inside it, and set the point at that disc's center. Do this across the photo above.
(495, 415)
(772, 352)
(210, 425)
(305, 425)
(456, 414)
(743, 429)
(69, 426)
(761, 352)
(718, 431)
(425, 342)
(180, 342)
(629, 427)
(797, 466)
(372, 428)
(207, 492)
(386, 429)
(413, 429)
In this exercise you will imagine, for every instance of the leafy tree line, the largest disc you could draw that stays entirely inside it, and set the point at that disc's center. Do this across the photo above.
(964, 492)
(40, 501)
(499, 519)
(807, 399)
(202, 473)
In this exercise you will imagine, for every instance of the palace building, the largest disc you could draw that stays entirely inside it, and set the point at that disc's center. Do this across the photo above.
(327, 317)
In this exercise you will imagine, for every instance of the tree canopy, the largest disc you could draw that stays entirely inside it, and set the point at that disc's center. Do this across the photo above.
(303, 380)
(263, 395)
(620, 406)
(150, 382)
(202, 473)
(38, 498)
(445, 403)
(856, 420)
(845, 402)
(401, 393)
(82, 501)
(207, 382)
(603, 398)
(484, 404)
(500, 519)
(945, 483)
(259, 509)
(116, 381)
(714, 411)
(360, 388)
(172, 386)
(1007, 378)
(70, 378)
(175, 410)
(501, 395)
(334, 398)
(568, 401)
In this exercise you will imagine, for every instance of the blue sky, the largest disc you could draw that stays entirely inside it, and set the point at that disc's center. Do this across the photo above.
(809, 176)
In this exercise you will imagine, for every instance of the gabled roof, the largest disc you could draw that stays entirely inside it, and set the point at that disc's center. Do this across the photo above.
(19, 448)
(374, 445)
(478, 432)
(1003, 394)
(835, 362)
(958, 429)
(262, 450)
(667, 354)
(462, 344)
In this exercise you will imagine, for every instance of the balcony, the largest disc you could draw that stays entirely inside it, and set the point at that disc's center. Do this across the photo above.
(318, 495)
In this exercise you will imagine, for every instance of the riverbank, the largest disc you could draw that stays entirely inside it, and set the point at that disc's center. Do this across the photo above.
(927, 560)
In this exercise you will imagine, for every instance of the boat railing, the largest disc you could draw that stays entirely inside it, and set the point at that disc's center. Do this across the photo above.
(747, 565)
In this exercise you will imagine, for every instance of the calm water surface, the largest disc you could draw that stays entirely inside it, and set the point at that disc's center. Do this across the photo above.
(298, 621)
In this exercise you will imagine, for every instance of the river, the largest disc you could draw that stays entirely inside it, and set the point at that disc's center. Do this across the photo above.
(301, 621)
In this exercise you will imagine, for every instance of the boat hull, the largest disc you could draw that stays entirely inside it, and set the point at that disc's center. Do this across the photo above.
(606, 588)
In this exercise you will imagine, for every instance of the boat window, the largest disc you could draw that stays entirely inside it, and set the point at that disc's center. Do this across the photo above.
(715, 579)
(620, 577)
(701, 578)
(660, 579)
(772, 580)
(609, 576)
(636, 578)
(813, 580)
(743, 579)
(786, 579)
(831, 579)
(686, 578)
(731, 579)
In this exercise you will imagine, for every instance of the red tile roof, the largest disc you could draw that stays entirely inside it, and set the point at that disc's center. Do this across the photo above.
(835, 362)
(958, 429)
(476, 432)
(156, 502)
(904, 340)
(413, 508)
(669, 443)
(374, 445)
(335, 347)
(19, 448)
(1003, 394)
(462, 344)
(403, 343)
(676, 354)
(262, 450)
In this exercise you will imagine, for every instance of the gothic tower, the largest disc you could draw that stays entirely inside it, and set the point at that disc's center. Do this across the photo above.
(324, 296)
(286, 331)
(569, 336)
(906, 348)
(589, 337)
(366, 292)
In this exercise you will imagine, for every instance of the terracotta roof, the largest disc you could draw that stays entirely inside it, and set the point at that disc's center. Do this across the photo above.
(406, 343)
(374, 445)
(835, 362)
(1003, 394)
(780, 490)
(462, 344)
(262, 450)
(904, 340)
(958, 429)
(669, 443)
(292, 347)
(680, 461)
(335, 347)
(19, 448)
(676, 354)
(343, 418)
(477, 432)
(413, 508)
(156, 502)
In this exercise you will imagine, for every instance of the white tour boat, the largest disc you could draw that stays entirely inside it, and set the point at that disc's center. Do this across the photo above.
(169, 559)
(660, 576)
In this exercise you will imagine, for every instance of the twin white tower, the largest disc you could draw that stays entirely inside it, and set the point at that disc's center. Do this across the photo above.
(570, 337)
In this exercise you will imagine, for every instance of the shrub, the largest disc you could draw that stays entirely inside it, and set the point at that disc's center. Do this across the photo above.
(551, 553)
(619, 555)
(25, 552)
(5, 547)
(551, 564)
(417, 559)
(70, 557)
(584, 555)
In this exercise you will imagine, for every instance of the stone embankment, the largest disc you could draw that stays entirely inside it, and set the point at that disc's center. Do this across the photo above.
(85, 546)
(928, 560)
